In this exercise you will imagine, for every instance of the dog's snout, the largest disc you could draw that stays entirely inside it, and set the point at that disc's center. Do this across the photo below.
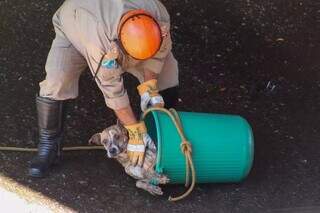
(113, 151)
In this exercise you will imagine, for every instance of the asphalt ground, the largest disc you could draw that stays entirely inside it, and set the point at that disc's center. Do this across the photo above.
(258, 59)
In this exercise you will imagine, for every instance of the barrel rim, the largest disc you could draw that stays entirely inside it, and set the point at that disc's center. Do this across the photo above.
(250, 155)
(156, 121)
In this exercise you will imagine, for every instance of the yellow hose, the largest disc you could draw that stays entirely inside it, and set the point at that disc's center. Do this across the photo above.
(186, 149)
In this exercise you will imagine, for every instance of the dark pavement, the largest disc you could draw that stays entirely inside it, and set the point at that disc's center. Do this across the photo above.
(228, 52)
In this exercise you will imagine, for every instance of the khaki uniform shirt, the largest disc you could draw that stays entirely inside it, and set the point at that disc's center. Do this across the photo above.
(85, 31)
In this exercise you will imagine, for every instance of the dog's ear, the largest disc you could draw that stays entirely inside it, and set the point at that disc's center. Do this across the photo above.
(95, 139)
(123, 130)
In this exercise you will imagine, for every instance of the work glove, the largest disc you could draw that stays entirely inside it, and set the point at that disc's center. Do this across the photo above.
(138, 141)
(149, 94)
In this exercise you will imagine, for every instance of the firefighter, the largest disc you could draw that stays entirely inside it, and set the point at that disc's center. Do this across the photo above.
(110, 37)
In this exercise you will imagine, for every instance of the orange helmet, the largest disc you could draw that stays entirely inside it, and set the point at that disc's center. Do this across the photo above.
(139, 34)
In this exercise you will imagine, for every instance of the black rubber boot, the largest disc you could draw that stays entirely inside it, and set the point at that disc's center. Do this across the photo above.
(170, 97)
(50, 123)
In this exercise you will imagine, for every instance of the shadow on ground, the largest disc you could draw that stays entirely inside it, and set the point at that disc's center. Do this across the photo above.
(259, 59)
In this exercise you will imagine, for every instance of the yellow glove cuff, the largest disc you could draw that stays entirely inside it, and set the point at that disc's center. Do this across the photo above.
(136, 131)
(150, 86)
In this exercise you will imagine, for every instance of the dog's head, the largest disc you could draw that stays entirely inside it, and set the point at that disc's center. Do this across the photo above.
(114, 139)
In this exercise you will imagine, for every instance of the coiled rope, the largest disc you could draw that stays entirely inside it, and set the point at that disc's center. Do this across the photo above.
(185, 147)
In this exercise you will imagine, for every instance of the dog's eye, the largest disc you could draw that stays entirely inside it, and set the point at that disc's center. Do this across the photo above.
(104, 142)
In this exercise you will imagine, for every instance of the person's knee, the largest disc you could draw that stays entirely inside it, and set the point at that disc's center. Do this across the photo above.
(59, 88)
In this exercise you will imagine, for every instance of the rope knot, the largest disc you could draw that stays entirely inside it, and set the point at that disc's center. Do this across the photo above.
(186, 147)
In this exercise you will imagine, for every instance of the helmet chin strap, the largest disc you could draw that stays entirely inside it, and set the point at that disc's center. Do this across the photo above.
(122, 51)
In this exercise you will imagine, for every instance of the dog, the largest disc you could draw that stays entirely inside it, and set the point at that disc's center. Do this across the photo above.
(115, 140)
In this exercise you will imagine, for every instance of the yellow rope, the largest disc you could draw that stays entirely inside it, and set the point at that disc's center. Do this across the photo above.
(186, 149)
(72, 148)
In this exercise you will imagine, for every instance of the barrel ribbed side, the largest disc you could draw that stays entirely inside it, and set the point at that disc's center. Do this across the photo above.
(222, 146)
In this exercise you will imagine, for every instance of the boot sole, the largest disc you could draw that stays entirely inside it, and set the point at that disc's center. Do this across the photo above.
(35, 173)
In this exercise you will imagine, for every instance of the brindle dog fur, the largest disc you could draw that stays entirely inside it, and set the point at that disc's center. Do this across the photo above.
(115, 140)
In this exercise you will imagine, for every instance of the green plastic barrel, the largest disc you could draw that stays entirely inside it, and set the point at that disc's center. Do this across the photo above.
(222, 146)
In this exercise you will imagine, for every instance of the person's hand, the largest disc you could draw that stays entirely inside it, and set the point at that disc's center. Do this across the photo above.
(149, 94)
(138, 141)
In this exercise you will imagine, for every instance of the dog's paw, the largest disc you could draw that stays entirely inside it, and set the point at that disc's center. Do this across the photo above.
(163, 179)
(152, 189)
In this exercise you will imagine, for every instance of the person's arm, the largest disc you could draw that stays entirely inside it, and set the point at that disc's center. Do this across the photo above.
(153, 66)
(149, 75)
(148, 89)
(126, 116)
(117, 99)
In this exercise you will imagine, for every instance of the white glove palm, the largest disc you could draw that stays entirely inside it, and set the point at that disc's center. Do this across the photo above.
(151, 101)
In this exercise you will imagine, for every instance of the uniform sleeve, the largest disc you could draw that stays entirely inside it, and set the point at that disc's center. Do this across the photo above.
(155, 64)
(110, 82)
(115, 94)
